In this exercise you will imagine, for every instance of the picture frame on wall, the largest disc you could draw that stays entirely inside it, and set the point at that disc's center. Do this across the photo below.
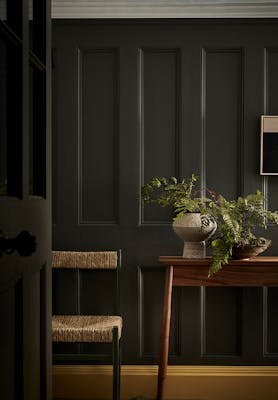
(269, 145)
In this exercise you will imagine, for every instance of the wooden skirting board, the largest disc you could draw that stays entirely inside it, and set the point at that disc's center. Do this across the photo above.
(183, 382)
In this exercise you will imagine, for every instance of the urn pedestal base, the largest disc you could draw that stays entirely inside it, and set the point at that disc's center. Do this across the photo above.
(194, 249)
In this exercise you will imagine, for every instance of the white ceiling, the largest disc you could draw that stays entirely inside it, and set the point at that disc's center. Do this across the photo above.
(160, 8)
(164, 9)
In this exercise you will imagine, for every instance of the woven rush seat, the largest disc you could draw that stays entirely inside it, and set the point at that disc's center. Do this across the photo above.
(84, 259)
(85, 328)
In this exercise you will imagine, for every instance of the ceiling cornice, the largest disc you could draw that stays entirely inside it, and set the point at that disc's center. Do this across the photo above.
(164, 9)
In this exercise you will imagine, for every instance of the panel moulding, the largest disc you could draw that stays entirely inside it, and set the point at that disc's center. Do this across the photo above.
(141, 317)
(81, 52)
(240, 131)
(141, 118)
(265, 333)
(203, 326)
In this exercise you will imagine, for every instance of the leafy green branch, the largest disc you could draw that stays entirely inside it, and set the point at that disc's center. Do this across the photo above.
(179, 195)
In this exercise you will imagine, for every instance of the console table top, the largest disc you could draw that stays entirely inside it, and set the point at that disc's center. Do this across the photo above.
(256, 271)
(178, 260)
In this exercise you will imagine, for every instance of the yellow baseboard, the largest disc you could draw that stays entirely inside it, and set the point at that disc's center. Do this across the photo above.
(183, 382)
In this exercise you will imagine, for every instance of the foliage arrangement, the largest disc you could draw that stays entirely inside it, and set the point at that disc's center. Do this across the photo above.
(179, 195)
(236, 222)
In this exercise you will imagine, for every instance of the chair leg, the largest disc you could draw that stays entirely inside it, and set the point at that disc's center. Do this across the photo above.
(116, 364)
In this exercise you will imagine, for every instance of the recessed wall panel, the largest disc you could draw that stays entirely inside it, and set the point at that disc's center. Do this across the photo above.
(151, 286)
(221, 326)
(98, 128)
(272, 109)
(159, 120)
(272, 82)
(271, 333)
(222, 124)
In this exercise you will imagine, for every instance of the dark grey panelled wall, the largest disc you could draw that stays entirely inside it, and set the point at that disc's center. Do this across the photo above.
(134, 99)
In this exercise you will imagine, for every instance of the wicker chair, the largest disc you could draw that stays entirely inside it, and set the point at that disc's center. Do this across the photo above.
(90, 328)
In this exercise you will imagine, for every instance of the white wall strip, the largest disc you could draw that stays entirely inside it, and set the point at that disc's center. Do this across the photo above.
(164, 9)
(160, 9)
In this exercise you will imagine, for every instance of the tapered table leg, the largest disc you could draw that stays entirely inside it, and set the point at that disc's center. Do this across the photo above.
(164, 334)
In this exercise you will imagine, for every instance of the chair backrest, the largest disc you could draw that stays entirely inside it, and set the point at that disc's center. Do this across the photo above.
(95, 260)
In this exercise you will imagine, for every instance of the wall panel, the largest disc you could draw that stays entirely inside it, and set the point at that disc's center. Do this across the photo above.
(222, 125)
(189, 95)
(150, 299)
(98, 130)
(159, 119)
(270, 326)
(221, 322)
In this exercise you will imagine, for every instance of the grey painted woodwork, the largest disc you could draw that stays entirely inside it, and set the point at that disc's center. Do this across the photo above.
(133, 99)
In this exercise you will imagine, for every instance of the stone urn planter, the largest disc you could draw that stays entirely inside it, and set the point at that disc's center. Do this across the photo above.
(194, 229)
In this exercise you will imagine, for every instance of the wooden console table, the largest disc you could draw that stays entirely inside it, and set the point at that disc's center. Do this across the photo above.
(257, 271)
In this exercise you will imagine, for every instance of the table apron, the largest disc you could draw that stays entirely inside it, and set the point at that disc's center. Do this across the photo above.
(229, 276)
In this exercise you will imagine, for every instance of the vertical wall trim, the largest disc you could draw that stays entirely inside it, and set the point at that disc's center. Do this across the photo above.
(178, 125)
(265, 321)
(177, 301)
(116, 137)
(43, 332)
(78, 305)
(79, 130)
(203, 178)
(241, 137)
(140, 128)
(265, 100)
(54, 155)
(78, 291)
(203, 320)
(140, 311)
(19, 333)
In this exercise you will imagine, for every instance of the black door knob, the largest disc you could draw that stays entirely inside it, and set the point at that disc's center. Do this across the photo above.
(24, 243)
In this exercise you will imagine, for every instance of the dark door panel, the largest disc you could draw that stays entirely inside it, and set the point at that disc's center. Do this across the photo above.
(25, 216)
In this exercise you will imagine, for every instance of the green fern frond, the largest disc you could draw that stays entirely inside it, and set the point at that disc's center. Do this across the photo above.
(170, 192)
